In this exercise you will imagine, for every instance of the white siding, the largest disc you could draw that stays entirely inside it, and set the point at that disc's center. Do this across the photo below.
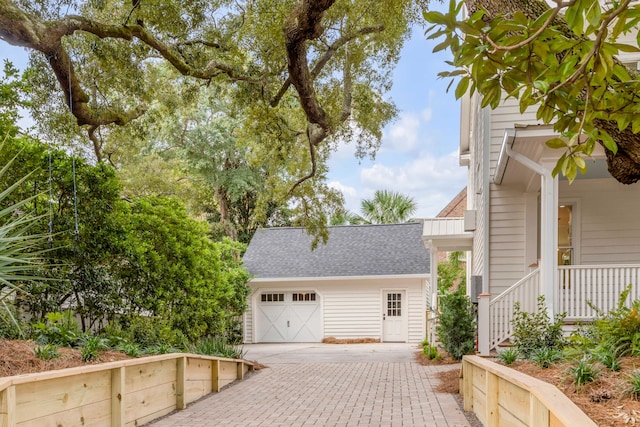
(475, 189)
(353, 308)
(506, 230)
(506, 116)
(609, 226)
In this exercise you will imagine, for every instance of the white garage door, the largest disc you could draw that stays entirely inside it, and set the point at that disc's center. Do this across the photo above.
(288, 317)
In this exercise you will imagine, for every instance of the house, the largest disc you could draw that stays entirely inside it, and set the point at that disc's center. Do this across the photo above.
(529, 233)
(368, 281)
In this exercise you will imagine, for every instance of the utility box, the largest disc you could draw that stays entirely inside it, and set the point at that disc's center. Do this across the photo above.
(469, 220)
(476, 288)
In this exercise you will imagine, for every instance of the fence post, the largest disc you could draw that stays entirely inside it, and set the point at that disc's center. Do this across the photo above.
(8, 407)
(181, 382)
(491, 390)
(467, 384)
(118, 393)
(484, 324)
(215, 375)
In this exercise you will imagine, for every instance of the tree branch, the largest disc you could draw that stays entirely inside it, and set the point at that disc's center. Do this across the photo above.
(328, 54)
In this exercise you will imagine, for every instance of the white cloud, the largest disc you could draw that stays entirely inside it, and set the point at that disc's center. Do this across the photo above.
(403, 135)
(427, 114)
(351, 196)
(432, 181)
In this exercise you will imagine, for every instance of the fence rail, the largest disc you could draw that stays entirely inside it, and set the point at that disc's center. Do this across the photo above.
(503, 396)
(117, 394)
(501, 308)
(583, 286)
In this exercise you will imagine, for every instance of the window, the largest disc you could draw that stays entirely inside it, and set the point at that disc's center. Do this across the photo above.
(394, 304)
(272, 297)
(565, 235)
(304, 296)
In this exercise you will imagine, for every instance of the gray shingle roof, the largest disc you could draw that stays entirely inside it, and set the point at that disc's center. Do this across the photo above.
(352, 250)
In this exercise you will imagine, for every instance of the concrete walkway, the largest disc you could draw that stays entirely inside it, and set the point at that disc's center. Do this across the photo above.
(328, 385)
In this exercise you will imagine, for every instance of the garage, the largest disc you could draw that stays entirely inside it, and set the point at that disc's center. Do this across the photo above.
(366, 282)
(291, 316)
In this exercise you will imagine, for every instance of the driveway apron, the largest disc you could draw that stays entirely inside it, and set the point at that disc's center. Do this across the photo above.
(328, 385)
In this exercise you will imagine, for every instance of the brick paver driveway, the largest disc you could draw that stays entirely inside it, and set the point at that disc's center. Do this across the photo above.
(328, 385)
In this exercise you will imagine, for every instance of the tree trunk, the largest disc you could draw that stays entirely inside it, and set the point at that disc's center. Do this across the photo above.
(624, 166)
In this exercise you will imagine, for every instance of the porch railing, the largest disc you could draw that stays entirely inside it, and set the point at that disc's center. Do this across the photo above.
(580, 286)
(501, 308)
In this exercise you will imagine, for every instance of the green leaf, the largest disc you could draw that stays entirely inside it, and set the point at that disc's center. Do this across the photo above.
(433, 17)
(462, 87)
(608, 142)
(580, 164)
(558, 167)
(541, 85)
(556, 143)
(594, 14)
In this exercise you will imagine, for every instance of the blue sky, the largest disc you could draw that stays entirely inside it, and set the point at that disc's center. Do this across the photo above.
(419, 153)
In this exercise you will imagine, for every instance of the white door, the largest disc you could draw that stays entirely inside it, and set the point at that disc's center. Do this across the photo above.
(288, 317)
(394, 315)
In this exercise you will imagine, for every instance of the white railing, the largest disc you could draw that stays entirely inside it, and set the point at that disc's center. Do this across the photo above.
(580, 286)
(501, 308)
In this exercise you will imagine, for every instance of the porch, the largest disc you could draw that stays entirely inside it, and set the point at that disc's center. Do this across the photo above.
(580, 292)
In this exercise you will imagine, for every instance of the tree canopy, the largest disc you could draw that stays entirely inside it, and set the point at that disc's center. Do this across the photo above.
(299, 76)
(563, 59)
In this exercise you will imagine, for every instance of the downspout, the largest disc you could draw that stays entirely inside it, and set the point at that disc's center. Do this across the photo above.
(548, 223)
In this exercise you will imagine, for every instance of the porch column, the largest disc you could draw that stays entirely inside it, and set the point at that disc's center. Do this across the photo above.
(549, 239)
(433, 253)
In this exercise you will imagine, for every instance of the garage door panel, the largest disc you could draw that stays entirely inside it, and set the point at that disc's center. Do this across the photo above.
(306, 322)
(289, 319)
(272, 321)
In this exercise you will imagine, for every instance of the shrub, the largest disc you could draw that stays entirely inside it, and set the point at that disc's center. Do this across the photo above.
(545, 357)
(431, 352)
(161, 349)
(534, 331)
(457, 327)
(59, 328)
(216, 346)
(91, 347)
(633, 385)
(130, 349)
(508, 356)
(46, 352)
(582, 373)
(618, 329)
(607, 356)
(11, 326)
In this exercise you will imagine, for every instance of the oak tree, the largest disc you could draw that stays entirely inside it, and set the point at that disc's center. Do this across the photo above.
(302, 74)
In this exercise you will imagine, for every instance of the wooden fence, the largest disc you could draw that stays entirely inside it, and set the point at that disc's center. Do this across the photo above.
(117, 394)
(501, 396)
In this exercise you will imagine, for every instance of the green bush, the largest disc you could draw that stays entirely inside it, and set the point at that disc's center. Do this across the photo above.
(456, 329)
(582, 373)
(60, 328)
(545, 357)
(508, 356)
(216, 346)
(607, 356)
(92, 346)
(11, 327)
(633, 385)
(46, 352)
(431, 352)
(535, 331)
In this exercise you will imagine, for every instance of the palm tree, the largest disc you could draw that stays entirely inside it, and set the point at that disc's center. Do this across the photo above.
(387, 207)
